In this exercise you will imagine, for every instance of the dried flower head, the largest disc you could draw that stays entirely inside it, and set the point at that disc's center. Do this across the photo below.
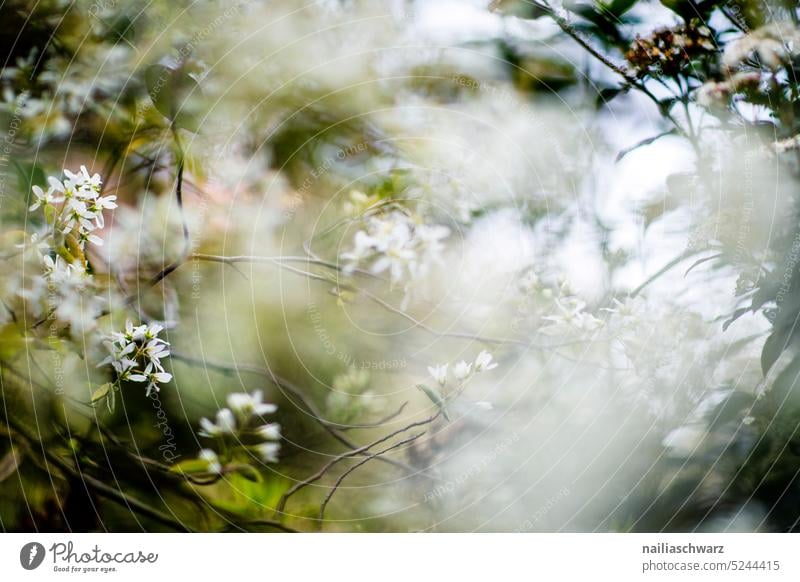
(669, 50)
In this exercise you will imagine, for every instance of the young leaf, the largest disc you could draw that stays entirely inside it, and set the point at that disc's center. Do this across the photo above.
(101, 392)
(248, 472)
(436, 398)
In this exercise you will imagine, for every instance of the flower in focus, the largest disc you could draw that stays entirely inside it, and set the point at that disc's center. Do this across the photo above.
(135, 355)
(81, 206)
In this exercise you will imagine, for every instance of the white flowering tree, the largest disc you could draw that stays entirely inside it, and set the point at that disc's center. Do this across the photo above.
(399, 266)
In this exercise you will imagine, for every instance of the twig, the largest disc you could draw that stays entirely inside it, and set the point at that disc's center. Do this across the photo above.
(319, 474)
(677, 260)
(186, 242)
(98, 486)
(282, 383)
(381, 422)
(364, 461)
(270, 523)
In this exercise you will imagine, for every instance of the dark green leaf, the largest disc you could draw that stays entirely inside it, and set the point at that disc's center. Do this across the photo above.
(773, 348)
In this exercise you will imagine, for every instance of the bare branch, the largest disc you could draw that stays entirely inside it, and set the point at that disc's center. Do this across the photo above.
(344, 475)
(319, 474)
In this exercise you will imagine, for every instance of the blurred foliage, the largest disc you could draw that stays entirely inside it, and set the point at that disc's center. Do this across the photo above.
(148, 94)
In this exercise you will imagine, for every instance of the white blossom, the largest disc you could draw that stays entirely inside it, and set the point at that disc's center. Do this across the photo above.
(50, 196)
(395, 243)
(208, 455)
(136, 354)
(235, 424)
(225, 424)
(483, 362)
(773, 44)
(571, 318)
(82, 206)
(269, 432)
(268, 452)
(462, 370)
(439, 373)
(250, 404)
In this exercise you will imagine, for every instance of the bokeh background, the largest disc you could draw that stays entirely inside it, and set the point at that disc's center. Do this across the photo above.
(617, 227)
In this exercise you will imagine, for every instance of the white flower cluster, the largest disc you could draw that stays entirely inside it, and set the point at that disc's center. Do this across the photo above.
(396, 243)
(571, 318)
(774, 45)
(462, 371)
(81, 205)
(136, 355)
(239, 421)
(714, 93)
(64, 292)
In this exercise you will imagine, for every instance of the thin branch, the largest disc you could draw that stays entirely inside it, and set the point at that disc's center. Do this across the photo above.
(186, 241)
(385, 420)
(98, 486)
(677, 260)
(285, 385)
(278, 261)
(270, 523)
(321, 472)
(632, 80)
(362, 462)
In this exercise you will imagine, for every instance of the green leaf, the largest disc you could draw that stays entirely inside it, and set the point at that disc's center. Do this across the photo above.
(730, 408)
(605, 96)
(12, 341)
(436, 398)
(248, 472)
(101, 392)
(616, 8)
(171, 90)
(773, 348)
(784, 391)
(28, 175)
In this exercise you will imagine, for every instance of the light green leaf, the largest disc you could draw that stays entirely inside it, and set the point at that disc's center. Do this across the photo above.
(436, 398)
(101, 392)
(248, 472)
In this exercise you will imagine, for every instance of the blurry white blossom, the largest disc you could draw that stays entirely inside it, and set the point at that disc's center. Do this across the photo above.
(439, 373)
(571, 318)
(398, 244)
(233, 427)
(773, 45)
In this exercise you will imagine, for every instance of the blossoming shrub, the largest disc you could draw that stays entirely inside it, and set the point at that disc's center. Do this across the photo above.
(331, 267)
